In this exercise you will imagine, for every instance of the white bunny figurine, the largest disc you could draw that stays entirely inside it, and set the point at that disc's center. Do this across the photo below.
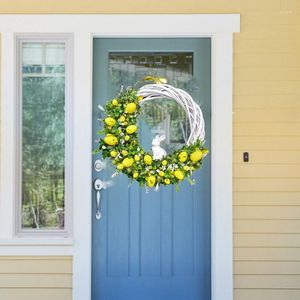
(158, 151)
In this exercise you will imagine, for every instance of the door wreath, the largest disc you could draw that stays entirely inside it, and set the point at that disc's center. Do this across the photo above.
(120, 142)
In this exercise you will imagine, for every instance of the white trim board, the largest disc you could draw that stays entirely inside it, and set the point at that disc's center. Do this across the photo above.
(68, 42)
(220, 28)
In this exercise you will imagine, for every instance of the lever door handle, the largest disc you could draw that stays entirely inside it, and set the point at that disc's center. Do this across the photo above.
(98, 186)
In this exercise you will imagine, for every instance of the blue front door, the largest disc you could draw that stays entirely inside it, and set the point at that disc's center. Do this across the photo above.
(156, 245)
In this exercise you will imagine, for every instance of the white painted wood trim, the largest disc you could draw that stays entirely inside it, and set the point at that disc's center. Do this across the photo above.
(221, 167)
(83, 78)
(124, 25)
(84, 27)
(67, 39)
(8, 126)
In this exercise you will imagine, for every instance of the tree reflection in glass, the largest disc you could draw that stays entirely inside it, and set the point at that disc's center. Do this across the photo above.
(160, 116)
(43, 135)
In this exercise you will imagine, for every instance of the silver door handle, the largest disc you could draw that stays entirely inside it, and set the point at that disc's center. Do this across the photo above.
(98, 186)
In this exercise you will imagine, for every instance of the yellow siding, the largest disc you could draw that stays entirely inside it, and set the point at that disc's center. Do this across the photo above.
(266, 123)
(35, 278)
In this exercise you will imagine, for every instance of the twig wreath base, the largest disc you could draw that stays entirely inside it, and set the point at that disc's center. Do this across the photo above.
(121, 144)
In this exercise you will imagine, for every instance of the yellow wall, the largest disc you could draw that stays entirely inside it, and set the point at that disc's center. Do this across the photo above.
(35, 278)
(266, 123)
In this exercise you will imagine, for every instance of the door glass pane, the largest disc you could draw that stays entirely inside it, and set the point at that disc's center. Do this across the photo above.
(43, 135)
(161, 116)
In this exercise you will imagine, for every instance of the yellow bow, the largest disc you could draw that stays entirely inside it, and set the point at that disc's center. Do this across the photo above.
(157, 80)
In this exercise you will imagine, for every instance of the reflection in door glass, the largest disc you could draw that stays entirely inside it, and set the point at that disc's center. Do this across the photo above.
(163, 117)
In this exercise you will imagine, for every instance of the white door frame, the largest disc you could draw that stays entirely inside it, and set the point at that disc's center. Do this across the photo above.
(220, 27)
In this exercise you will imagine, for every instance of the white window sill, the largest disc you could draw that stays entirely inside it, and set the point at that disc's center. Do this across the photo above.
(30, 241)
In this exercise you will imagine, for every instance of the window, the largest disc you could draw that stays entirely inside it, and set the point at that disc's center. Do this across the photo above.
(160, 116)
(43, 156)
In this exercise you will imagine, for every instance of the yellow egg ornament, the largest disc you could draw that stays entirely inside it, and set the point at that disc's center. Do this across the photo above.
(183, 156)
(110, 121)
(130, 108)
(127, 162)
(135, 175)
(196, 156)
(148, 159)
(131, 129)
(110, 140)
(151, 180)
(178, 174)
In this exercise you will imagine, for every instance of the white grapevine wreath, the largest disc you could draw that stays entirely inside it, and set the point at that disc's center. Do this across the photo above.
(121, 144)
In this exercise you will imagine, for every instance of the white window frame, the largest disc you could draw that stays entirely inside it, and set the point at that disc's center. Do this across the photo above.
(220, 28)
(45, 38)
